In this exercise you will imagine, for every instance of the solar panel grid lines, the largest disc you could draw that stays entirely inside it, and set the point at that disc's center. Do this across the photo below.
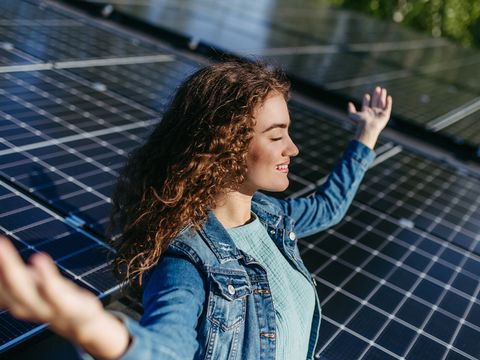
(281, 18)
(53, 188)
(35, 37)
(9, 57)
(40, 229)
(85, 195)
(467, 129)
(68, 101)
(459, 73)
(428, 77)
(334, 255)
(68, 83)
(150, 84)
(42, 22)
(418, 99)
(100, 163)
(443, 202)
(45, 234)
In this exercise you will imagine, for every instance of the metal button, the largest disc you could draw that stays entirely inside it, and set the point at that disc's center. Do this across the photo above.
(272, 231)
(231, 290)
(292, 236)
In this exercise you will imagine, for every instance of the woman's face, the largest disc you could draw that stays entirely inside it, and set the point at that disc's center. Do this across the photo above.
(270, 149)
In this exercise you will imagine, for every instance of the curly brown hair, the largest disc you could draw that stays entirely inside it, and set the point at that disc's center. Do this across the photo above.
(196, 153)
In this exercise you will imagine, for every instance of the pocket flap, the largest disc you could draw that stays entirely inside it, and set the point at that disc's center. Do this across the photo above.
(232, 286)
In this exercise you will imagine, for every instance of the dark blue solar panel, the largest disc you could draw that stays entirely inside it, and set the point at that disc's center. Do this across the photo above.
(79, 255)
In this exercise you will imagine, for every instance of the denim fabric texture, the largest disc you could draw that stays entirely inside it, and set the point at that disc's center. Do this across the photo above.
(206, 299)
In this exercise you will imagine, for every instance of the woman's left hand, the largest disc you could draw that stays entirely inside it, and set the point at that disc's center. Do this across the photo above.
(373, 116)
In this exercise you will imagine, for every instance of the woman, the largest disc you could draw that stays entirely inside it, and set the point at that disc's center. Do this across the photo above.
(218, 261)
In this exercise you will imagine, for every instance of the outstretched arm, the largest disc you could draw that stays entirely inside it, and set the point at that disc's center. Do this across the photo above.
(173, 301)
(38, 292)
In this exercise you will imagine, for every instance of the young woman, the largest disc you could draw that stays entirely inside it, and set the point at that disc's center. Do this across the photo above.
(218, 261)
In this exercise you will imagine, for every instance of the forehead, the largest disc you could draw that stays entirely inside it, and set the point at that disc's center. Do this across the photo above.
(273, 111)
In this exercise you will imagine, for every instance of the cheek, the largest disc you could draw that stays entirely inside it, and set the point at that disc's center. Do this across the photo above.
(260, 156)
(254, 156)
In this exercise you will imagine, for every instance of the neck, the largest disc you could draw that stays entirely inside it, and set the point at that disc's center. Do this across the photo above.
(233, 209)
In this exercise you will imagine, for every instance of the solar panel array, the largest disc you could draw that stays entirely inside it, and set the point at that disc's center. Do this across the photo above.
(398, 278)
(80, 256)
(63, 137)
(435, 83)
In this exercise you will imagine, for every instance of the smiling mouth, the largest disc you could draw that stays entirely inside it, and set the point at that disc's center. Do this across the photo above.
(282, 168)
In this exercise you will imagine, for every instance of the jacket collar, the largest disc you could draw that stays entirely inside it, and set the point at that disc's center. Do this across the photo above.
(218, 239)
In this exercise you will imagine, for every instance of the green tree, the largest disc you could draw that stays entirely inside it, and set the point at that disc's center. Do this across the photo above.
(456, 19)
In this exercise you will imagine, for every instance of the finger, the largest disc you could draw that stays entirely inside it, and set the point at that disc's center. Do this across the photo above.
(365, 101)
(49, 280)
(376, 97)
(5, 299)
(69, 304)
(18, 284)
(12, 268)
(352, 113)
(388, 105)
(383, 98)
(351, 108)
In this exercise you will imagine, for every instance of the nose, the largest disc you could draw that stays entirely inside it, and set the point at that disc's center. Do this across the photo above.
(291, 149)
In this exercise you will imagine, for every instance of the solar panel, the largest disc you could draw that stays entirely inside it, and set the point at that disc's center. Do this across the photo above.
(51, 36)
(389, 291)
(79, 255)
(460, 72)
(64, 141)
(336, 50)
(8, 56)
(427, 195)
(20, 11)
(150, 84)
(465, 130)
(419, 99)
(330, 69)
(398, 278)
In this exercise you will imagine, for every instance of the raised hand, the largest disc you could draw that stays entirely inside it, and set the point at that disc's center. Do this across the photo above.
(37, 292)
(373, 116)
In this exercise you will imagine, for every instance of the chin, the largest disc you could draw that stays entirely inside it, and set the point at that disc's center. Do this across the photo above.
(279, 188)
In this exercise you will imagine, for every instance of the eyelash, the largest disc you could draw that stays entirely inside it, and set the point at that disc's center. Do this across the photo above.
(276, 139)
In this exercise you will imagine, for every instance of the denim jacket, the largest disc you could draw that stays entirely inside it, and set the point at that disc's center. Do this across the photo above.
(206, 299)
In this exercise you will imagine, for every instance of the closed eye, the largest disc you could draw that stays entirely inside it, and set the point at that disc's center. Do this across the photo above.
(276, 139)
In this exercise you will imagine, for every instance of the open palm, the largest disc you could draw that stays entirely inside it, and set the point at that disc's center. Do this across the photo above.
(38, 292)
(375, 111)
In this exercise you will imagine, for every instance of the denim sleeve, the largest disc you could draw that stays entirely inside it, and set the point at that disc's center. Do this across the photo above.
(173, 300)
(327, 206)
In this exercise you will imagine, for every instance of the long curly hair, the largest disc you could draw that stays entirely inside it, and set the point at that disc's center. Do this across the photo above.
(196, 153)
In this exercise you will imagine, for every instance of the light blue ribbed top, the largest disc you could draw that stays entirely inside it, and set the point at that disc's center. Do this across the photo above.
(293, 296)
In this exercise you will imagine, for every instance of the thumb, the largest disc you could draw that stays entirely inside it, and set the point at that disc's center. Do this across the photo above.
(351, 108)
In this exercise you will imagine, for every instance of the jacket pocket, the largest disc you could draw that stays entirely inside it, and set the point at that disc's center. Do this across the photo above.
(227, 299)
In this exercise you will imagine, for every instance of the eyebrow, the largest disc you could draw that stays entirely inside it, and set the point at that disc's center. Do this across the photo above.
(274, 126)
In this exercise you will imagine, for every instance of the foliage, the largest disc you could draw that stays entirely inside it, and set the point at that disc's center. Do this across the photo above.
(456, 19)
